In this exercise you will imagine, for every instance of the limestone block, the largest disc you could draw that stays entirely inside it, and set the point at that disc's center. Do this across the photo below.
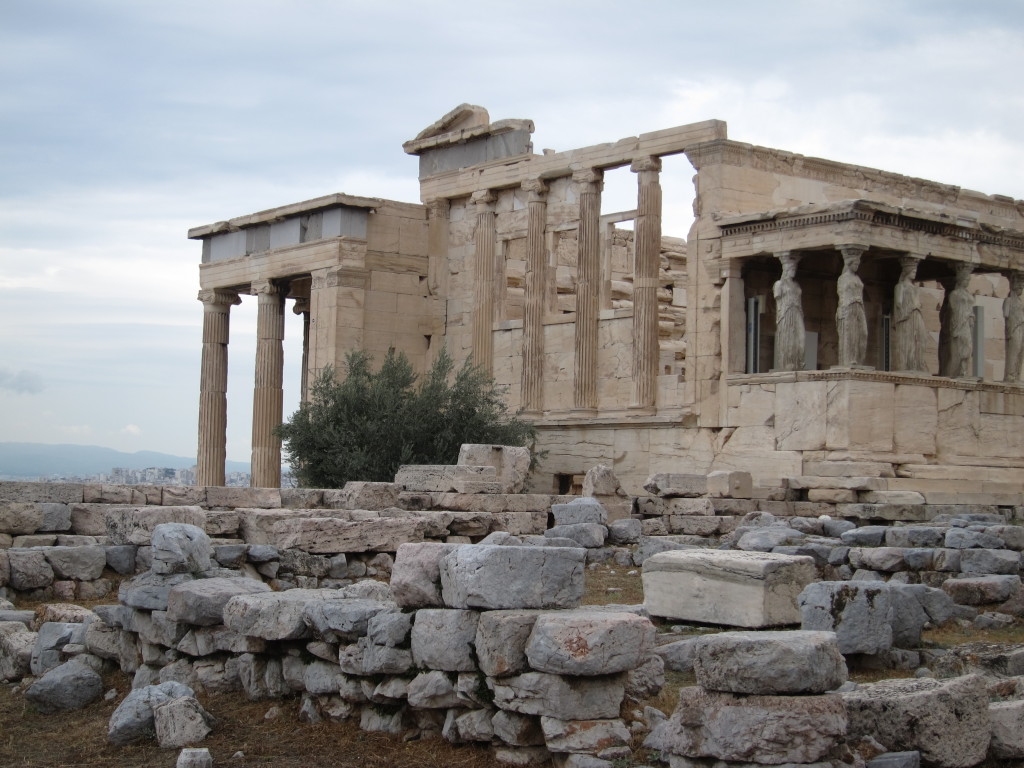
(849, 483)
(984, 562)
(301, 498)
(180, 721)
(134, 525)
(768, 538)
(343, 621)
(274, 615)
(584, 736)
(892, 497)
(521, 523)
(581, 510)
(56, 517)
(133, 719)
(34, 540)
(600, 480)
(433, 690)
(469, 523)
(859, 612)
(791, 662)
(20, 517)
(831, 495)
(416, 575)
(963, 538)
(330, 535)
(494, 577)
(71, 685)
(512, 463)
(586, 642)
(363, 495)
(1007, 723)
(670, 484)
(29, 569)
(981, 590)
(180, 548)
(517, 730)
(917, 536)
(16, 646)
(89, 519)
(50, 641)
(887, 559)
(501, 640)
(194, 757)
(916, 419)
(204, 641)
(947, 721)
(587, 535)
(150, 590)
(522, 757)
(570, 698)
(745, 589)
(730, 485)
(202, 602)
(755, 729)
(444, 639)
(624, 532)
(66, 493)
(256, 526)
(425, 477)
(865, 536)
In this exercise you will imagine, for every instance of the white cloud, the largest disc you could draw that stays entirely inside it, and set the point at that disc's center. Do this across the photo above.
(131, 429)
(22, 382)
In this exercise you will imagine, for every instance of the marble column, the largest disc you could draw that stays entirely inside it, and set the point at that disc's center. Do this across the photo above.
(302, 307)
(267, 401)
(213, 386)
(790, 339)
(851, 319)
(438, 211)
(1013, 317)
(483, 283)
(588, 282)
(534, 300)
(646, 260)
(909, 333)
(956, 334)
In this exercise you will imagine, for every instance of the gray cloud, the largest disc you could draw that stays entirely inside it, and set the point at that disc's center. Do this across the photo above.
(23, 382)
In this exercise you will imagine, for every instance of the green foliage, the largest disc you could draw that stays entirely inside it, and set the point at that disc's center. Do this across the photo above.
(366, 425)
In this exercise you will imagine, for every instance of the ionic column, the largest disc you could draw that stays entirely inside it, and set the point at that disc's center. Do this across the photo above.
(646, 257)
(437, 244)
(483, 288)
(302, 307)
(588, 282)
(268, 398)
(533, 302)
(956, 334)
(851, 318)
(213, 386)
(909, 333)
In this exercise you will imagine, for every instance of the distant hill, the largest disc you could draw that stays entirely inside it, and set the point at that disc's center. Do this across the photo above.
(33, 460)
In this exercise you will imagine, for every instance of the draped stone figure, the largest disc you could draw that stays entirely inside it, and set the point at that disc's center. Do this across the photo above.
(957, 316)
(908, 328)
(1013, 315)
(851, 319)
(789, 316)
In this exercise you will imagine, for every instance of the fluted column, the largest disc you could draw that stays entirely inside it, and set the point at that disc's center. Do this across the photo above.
(533, 303)
(646, 256)
(213, 386)
(483, 288)
(302, 307)
(438, 211)
(588, 280)
(268, 398)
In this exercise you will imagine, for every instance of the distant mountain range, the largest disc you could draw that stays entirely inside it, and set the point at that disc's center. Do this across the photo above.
(33, 460)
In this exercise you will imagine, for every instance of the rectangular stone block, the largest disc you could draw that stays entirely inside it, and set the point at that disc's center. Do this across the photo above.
(233, 497)
(329, 535)
(134, 525)
(495, 577)
(740, 589)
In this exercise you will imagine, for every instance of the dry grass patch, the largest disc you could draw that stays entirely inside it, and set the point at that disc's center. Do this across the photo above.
(610, 583)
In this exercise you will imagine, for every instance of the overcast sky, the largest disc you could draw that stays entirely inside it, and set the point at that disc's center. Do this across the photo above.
(123, 123)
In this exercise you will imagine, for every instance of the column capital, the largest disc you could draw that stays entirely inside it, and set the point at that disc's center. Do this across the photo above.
(484, 200)
(301, 305)
(588, 176)
(536, 189)
(853, 248)
(1016, 278)
(438, 208)
(264, 288)
(645, 163)
(220, 296)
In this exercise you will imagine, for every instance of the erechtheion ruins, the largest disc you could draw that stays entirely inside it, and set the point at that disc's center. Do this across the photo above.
(818, 318)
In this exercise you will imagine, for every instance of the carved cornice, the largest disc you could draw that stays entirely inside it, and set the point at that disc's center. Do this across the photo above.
(884, 377)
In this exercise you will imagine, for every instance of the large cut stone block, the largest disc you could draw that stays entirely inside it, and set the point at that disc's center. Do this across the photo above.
(568, 698)
(512, 463)
(769, 662)
(358, 494)
(330, 535)
(180, 548)
(444, 639)
(589, 642)
(274, 615)
(859, 612)
(134, 525)
(501, 639)
(741, 589)
(202, 602)
(757, 729)
(946, 720)
(416, 574)
(493, 577)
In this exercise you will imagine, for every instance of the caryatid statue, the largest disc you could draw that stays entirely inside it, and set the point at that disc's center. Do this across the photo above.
(789, 316)
(851, 319)
(1013, 315)
(958, 326)
(908, 329)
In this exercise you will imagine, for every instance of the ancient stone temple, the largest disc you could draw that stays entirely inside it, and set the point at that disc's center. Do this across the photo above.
(817, 319)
